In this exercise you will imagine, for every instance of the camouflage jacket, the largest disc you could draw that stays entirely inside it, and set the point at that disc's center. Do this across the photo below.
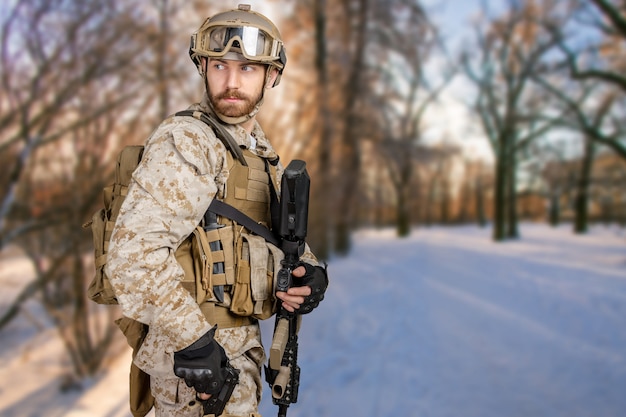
(183, 168)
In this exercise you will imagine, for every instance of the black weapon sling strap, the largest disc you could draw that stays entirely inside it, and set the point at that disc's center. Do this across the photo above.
(226, 210)
(219, 207)
(220, 132)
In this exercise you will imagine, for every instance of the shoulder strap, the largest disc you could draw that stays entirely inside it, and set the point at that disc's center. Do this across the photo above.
(226, 138)
(274, 193)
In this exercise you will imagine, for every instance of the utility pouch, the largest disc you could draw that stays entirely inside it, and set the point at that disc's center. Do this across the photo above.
(242, 294)
(141, 399)
(211, 266)
(253, 292)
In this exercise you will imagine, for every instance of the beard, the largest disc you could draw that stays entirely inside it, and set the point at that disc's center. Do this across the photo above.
(242, 108)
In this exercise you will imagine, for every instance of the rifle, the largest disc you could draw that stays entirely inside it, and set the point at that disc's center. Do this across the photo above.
(283, 372)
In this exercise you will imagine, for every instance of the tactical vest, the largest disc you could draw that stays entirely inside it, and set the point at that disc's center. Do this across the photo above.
(234, 269)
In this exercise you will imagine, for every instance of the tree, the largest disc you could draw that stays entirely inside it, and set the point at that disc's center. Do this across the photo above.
(511, 108)
(587, 80)
(71, 77)
(355, 29)
(402, 43)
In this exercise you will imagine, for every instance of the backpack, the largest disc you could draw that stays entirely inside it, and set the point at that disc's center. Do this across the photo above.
(102, 222)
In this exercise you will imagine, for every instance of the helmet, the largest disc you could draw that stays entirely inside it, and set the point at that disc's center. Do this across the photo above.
(236, 33)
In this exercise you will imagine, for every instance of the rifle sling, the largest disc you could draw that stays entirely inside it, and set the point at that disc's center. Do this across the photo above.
(226, 210)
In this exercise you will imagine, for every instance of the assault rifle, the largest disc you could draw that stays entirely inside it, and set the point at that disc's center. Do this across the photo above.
(283, 372)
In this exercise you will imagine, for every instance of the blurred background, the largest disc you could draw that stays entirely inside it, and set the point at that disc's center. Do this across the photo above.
(408, 113)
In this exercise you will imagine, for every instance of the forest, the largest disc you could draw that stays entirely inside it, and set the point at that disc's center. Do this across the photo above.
(543, 83)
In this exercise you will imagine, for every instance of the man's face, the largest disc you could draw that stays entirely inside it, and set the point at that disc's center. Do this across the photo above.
(235, 87)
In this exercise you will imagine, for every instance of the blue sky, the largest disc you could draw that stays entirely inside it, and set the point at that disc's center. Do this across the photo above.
(453, 16)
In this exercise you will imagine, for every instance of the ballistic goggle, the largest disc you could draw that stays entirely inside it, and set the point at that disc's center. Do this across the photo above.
(252, 42)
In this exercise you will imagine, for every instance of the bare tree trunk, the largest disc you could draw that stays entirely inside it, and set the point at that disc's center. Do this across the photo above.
(581, 201)
(403, 226)
(512, 217)
(554, 209)
(431, 200)
(162, 64)
(479, 193)
(445, 214)
(499, 199)
(323, 202)
(351, 156)
(379, 201)
(403, 220)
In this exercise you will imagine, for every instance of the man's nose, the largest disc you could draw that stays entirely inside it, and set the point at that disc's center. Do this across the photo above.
(234, 79)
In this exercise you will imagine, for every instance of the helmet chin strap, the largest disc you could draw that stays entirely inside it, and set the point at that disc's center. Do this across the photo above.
(241, 119)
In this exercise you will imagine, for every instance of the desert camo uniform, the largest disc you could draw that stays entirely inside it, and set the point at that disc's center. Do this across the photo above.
(183, 168)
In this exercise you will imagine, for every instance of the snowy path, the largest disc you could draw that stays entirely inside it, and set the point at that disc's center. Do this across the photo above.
(436, 325)
(444, 323)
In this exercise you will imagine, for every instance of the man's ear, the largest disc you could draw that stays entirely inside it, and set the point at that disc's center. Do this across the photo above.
(271, 79)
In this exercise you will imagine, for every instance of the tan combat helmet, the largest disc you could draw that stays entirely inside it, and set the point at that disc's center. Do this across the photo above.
(239, 34)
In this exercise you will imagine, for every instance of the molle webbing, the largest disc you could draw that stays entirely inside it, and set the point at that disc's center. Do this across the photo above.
(248, 188)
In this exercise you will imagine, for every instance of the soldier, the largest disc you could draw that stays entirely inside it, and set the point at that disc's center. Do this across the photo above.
(196, 327)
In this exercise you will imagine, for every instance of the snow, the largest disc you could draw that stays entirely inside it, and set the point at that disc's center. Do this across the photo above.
(443, 323)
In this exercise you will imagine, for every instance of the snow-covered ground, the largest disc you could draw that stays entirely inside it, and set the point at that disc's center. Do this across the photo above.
(444, 323)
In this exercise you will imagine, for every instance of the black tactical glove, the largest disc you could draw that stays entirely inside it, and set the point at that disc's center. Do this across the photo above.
(316, 278)
(202, 364)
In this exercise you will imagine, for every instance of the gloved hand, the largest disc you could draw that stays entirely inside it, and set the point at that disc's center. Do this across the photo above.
(316, 278)
(202, 364)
